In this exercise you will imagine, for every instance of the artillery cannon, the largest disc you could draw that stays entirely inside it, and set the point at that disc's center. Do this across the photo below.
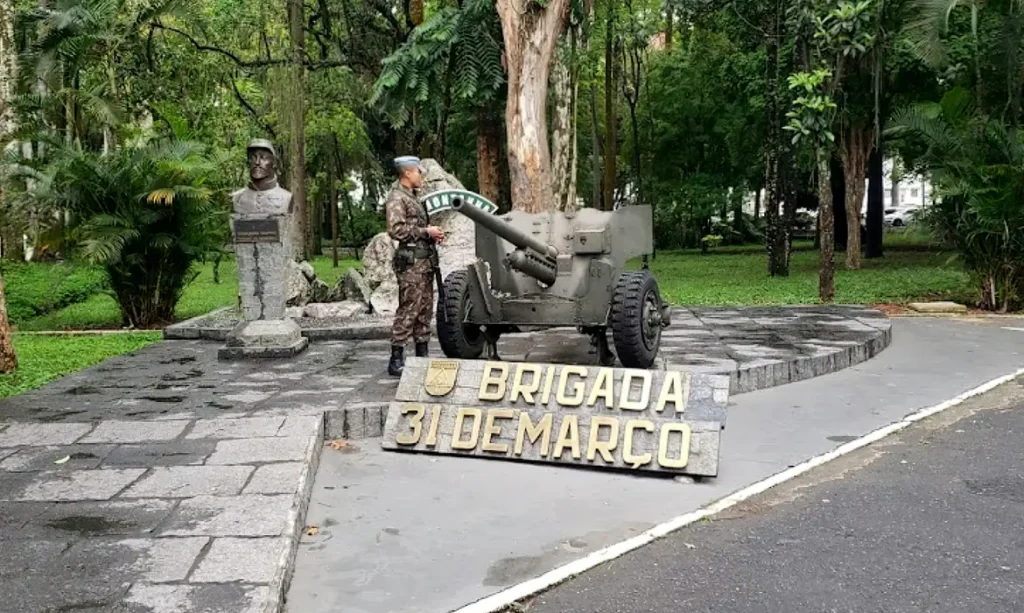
(537, 271)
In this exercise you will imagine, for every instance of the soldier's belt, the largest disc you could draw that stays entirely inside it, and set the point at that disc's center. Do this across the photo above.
(417, 251)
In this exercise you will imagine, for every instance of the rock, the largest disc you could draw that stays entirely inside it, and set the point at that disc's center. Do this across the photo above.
(384, 303)
(307, 271)
(355, 287)
(344, 309)
(298, 286)
(294, 312)
(459, 247)
(319, 291)
(377, 259)
(937, 307)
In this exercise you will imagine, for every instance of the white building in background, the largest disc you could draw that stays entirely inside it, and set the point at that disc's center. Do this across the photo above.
(912, 192)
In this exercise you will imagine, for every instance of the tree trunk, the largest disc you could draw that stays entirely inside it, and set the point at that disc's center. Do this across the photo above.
(757, 204)
(838, 193)
(669, 25)
(8, 78)
(563, 128)
(876, 204)
(610, 121)
(778, 260)
(855, 151)
(332, 201)
(297, 124)
(826, 230)
(596, 146)
(488, 155)
(895, 188)
(530, 32)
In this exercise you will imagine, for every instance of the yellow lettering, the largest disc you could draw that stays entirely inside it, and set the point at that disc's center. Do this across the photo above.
(435, 418)
(457, 442)
(684, 445)
(490, 430)
(532, 432)
(568, 436)
(549, 378)
(416, 420)
(603, 389)
(636, 461)
(526, 391)
(488, 379)
(604, 447)
(577, 397)
(645, 391)
(675, 389)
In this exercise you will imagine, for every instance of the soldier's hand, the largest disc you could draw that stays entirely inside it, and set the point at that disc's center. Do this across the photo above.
(435, 233)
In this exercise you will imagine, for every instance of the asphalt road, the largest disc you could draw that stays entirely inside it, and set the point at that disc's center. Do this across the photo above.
(929, 520)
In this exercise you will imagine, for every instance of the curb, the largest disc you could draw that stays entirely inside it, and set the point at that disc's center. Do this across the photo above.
(278, 588)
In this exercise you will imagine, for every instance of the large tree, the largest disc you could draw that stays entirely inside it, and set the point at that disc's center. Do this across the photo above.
(8, 74)
(531, 31)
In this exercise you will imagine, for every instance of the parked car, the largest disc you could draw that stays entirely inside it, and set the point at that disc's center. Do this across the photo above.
(899, 217)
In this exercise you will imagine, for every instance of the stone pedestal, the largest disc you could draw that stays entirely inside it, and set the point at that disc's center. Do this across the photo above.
(264, 338)
(263, 254)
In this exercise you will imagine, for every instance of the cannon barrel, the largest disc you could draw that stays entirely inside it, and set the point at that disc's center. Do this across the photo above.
(513, 235)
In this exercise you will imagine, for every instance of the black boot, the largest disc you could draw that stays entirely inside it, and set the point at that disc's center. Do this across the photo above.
(397, 360)
(421, 349)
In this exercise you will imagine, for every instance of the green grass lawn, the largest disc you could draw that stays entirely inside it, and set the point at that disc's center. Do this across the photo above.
(908, 272)
(43, 358)
(201, 296)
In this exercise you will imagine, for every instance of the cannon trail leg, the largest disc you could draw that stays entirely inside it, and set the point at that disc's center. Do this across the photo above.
(491, 349)
(599, 338)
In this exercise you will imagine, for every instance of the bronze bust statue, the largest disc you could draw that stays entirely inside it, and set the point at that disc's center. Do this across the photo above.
(263, 195)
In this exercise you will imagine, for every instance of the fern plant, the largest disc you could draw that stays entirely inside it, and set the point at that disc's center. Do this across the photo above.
(147, 215)
(457, 50)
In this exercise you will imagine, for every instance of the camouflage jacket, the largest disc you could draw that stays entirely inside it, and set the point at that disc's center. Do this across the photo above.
(406, 218)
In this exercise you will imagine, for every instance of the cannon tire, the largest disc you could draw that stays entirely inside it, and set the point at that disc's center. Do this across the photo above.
(635, 301)
(458, 340)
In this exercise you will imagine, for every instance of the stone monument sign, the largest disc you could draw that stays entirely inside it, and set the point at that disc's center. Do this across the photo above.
(630, 419)
(263, 230)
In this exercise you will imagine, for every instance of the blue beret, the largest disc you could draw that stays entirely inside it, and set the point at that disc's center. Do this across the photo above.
(406, 160)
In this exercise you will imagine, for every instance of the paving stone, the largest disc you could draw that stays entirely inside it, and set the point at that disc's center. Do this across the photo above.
(240, 427)
(245, 515)
(14, 516)
(6, 452)
(38, 435)
(99, 484)
(191, 598)
(78, 457)
(250, 396)
(188, 481)
(173, 453)
(165, 559)
(259, 450)
(301, 425)
(89, 519)
(280, 478)
(236, 559)
(135, 431)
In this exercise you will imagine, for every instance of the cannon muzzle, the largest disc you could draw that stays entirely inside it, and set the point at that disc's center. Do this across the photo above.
(533, 257)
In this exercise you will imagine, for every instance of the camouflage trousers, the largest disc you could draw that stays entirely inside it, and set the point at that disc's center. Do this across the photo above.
(415, 304)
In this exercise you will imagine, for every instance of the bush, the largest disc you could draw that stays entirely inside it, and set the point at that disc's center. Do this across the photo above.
(146, 215)
(34, 289)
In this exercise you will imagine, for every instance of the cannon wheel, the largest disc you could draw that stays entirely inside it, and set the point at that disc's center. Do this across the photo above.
(458, 340)
(635, 318)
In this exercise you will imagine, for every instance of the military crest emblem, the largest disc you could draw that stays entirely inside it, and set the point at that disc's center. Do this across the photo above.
(440, 378)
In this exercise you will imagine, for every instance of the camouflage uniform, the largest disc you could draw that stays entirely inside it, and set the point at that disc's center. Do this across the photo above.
(407, 222)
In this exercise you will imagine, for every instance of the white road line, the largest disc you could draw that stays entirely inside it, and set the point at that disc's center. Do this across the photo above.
(1014, 329)
(504, 598)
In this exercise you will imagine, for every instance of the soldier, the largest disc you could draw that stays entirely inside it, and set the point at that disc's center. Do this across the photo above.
(408, 224)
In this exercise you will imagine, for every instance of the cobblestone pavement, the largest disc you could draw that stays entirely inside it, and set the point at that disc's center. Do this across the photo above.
(165, 480)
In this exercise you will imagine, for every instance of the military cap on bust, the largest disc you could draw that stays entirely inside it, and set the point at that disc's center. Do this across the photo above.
(261, 143)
